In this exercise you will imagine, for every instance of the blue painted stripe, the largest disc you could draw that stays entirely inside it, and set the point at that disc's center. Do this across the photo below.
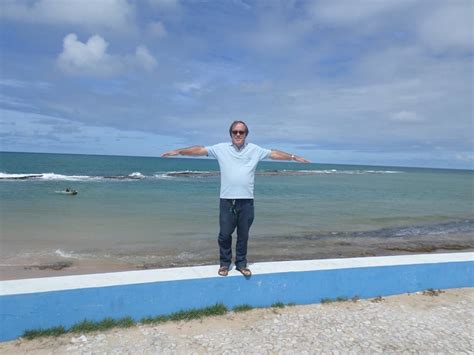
(22, 312)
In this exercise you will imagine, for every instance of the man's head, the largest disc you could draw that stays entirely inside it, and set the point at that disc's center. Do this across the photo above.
(238, 131)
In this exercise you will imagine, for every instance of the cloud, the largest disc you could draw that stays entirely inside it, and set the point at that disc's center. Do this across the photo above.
(144, 59)
(277, 26)
(406, 117)
(31, 132)
(14, 83)
(157, 29)
(188, 87)
(111, 14)
(91, 58)
(256, 87)
(349, 12)
(449, 26)
(88, 58)
(469, 157)
(166, 5)
(14, 102)
(442, 26)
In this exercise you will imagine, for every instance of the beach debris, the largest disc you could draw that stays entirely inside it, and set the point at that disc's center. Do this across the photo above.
(81, 339)
(59, 265)
(432, 292)
(431, 248)
(377, 299)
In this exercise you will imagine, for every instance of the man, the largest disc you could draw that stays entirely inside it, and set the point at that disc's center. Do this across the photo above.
(237, 161)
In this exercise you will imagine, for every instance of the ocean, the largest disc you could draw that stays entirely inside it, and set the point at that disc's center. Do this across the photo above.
(146, 212)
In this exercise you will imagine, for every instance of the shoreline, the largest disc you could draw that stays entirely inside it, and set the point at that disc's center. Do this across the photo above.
(277, 248)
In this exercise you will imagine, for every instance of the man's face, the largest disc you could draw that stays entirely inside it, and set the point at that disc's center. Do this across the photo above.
(238, 134)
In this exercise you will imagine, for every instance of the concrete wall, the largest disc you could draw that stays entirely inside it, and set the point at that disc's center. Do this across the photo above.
(47, 302)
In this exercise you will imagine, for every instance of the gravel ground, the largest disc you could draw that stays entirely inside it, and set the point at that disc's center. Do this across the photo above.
(410, 323)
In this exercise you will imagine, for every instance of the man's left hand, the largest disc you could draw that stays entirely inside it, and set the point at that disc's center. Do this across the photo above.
(301, 160)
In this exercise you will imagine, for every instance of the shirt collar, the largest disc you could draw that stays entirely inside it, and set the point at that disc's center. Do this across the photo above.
(237, 148)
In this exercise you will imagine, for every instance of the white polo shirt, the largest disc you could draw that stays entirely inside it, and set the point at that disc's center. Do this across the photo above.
(237, 168)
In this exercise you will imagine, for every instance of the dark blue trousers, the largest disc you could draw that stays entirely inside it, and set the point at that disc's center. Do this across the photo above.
(234, 214)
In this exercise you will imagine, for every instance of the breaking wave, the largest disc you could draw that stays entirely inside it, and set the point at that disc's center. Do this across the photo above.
(179, 174)
(62, 177)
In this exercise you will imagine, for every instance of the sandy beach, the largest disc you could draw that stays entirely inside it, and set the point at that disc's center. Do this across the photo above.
(424, 322)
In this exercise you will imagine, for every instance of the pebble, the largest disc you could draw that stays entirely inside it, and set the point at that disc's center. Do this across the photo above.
(398, 324)
(81, 339)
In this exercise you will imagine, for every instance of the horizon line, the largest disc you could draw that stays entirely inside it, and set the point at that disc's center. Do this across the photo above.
(205, 158)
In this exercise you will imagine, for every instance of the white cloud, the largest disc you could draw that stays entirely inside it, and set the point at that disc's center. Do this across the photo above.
(157, 29)
(449, 26)
(32, 132)
(406, 117)
(469, 157)
(349, 12)
(166, 5)
(257, 87)
(91, 58)
(188, 87)
(440, 25)
(9, 101)
(87, 58)
(286, 24)
(40, 85)
(115, 14)
(144, 59)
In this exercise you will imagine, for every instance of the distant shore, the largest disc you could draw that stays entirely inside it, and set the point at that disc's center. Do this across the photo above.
(277, 248)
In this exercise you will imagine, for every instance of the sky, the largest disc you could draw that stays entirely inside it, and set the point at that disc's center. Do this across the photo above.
(371, 82)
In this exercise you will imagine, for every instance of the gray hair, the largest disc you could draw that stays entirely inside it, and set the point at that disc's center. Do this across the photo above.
(237, 122)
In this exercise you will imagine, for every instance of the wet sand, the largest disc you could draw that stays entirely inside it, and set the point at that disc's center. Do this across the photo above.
(276, 248)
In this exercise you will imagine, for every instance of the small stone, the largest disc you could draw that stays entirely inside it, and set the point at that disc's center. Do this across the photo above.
(81, 339)
(100, 337)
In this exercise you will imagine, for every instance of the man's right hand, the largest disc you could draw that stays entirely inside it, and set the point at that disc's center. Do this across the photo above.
(171, 153)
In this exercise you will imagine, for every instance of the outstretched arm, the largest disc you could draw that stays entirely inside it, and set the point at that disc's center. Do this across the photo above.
(279, 155)
(196, 150)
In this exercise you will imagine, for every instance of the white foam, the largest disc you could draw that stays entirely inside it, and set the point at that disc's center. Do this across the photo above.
(66, 255)
(185, 173)
(54, 177)
(49, 177)
(348, 172)
(137, 175)
(18, 176)
(382, 172)
(163, 176)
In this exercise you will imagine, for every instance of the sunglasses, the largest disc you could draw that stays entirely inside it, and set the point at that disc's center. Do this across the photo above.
(238, 132)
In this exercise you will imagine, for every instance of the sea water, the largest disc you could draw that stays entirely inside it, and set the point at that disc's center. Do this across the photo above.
(165, 210)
